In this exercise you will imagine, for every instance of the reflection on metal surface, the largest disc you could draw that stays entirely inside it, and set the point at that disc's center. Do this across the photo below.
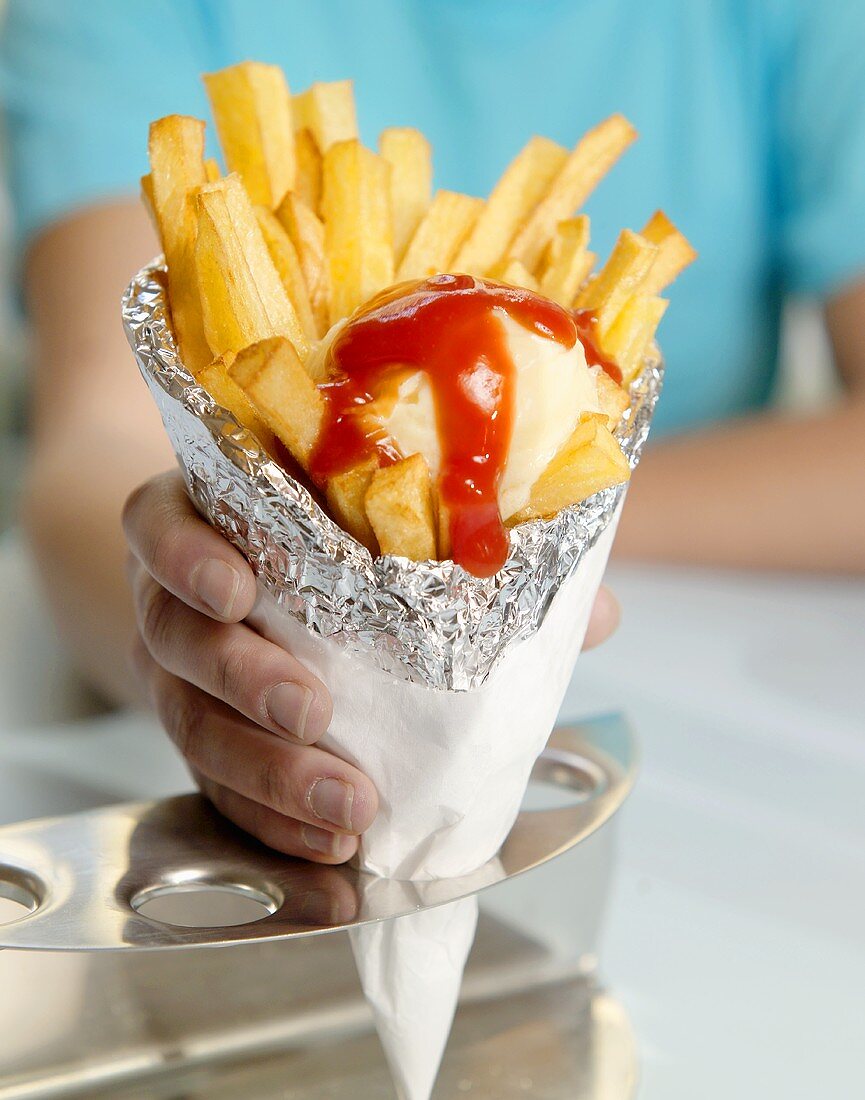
(204, 904)
(287, 1021)
(21, 893)
(96, 865)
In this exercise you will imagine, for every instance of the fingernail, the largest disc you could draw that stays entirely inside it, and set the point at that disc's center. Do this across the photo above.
(319, 840)
(216, 584)
(332, 800)
(288, 707)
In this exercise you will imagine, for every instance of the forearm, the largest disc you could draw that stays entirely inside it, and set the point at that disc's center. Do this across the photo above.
(773, 491)
(72, 506)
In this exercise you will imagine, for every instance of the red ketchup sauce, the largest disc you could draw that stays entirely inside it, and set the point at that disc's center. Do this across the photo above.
(446, 327)
(586, 322)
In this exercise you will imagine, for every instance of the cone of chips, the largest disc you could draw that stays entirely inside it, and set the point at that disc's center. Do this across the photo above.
(416, 415)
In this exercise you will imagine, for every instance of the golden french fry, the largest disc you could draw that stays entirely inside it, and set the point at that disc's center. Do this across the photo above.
(568, 261)
(515, 273)
(628, 340)
(409, 155)
(399, 506)
(674, 252)
(242, 297)
(438, 237)
(345, 494)
(524, 182)
(223, 389)
(307, 235)
(288, 266)
(620, 277)
(612, 398)
(307, 181)
(586, 165)
(176, 150)
(147, 198)
(274, 379)
(328, 112)
(357, 225)
(252, 110)
(591, 460)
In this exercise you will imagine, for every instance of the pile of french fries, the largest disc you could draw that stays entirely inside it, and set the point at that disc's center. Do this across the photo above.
(309, 224)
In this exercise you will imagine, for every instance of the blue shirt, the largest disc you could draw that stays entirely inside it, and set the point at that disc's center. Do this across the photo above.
(752, 122)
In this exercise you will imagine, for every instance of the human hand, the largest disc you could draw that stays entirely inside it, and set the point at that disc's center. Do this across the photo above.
(244, 714)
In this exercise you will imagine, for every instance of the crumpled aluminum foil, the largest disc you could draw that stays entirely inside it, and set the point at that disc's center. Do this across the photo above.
(430, 623)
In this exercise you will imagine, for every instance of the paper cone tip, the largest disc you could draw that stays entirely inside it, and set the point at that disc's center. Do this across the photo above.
(411, 970)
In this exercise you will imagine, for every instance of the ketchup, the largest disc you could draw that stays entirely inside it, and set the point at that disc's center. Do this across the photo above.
(586, 322)
(446, 327)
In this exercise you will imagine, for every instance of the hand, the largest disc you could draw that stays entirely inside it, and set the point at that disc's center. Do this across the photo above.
(604, 619)
(244, 713)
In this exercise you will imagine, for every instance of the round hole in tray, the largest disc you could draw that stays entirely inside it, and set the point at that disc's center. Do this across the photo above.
(561, 779)
(205, 904)
(20, 894)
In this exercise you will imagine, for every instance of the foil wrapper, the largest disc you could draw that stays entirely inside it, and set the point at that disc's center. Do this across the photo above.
(430, 623)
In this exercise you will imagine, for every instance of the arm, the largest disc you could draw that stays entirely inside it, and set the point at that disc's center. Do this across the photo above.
(770, 491)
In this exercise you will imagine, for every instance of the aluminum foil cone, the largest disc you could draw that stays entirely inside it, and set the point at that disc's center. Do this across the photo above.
(445, 686)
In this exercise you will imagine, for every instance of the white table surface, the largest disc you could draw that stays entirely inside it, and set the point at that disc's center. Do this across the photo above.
(735, 932)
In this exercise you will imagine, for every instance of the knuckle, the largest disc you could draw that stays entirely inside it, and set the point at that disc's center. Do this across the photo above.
(184, 718)
(156, 617)
(163, 548)
(133, 504)
(233, 673)
(273, 783)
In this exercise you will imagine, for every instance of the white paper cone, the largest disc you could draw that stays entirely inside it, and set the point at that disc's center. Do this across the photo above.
(411, 970)
(451, 769)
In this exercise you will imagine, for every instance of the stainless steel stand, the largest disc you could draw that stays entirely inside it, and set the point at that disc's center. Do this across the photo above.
(261, 1021)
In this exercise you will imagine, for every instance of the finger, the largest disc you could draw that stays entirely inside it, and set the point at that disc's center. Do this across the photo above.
(297, 781)
(233, 663)
(186, 555)
(293, 838)
(604, 618)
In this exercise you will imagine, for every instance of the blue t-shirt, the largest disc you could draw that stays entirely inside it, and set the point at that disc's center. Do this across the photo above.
(752, 122)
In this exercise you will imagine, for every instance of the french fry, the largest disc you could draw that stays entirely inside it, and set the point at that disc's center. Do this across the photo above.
(288, 266)
(328, 112)
(621, 275)
(399, 505)
(358, 236)
(307, 235)
(409, 155)
(515, 273)
(211, 170)
(591, 460)
(242, 298)
(307, 180)
(345, 494)
(438, 236)
(147, 198)
(612, 398)
(176, 150)
(223, 389)
(523, 184)
(674, 252)
(627, 342)
(252, 110)
(584, 168)
(275, 381)
(568, 261)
